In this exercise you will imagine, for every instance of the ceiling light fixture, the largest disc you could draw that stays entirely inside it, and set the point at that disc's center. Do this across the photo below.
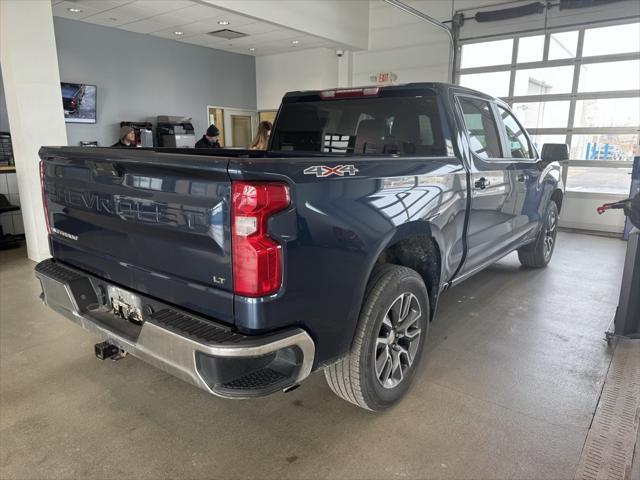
(295, 42)
(252, 49)
(74, 10)
(178, 33)
(223, 22)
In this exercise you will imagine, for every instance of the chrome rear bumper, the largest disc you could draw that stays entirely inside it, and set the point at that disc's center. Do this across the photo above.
(197, 350)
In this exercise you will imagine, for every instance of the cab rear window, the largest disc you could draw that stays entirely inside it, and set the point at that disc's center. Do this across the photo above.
(363, 126)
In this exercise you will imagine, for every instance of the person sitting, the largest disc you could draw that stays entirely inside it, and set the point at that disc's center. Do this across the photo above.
(261, 140)
(210, 138)
(127, 138)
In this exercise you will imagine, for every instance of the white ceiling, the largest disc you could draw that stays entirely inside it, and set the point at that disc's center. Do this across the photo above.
(161, 18)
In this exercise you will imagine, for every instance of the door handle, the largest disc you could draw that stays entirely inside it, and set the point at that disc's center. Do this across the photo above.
(523, 177)
(482, 183)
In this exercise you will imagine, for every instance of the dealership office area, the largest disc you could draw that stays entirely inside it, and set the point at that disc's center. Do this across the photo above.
(526, 373)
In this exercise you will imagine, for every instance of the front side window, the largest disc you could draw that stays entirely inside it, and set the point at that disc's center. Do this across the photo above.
(481, 127)
(517, 140)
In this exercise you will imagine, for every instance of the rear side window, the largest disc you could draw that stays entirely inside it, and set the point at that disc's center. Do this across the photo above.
(519, 146)
(481, 127)
(362, 126)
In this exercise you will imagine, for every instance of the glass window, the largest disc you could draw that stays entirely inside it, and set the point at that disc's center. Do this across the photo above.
(481, 127)
(539, 140)
(563, 45)
(604, 147)
(543, 114)
(486, 53)
(494, 83)
(611, 40)
(517, 141)
(544, 81)
(610, 76)
(599, 179)
(609, 112)
(376, 125)
(530, 49)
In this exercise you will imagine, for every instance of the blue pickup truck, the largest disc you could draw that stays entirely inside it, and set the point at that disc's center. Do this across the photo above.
(244, 271)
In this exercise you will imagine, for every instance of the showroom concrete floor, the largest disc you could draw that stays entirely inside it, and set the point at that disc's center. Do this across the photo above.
(514, 369)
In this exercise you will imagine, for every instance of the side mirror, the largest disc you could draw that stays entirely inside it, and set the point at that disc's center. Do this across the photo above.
(555, 152)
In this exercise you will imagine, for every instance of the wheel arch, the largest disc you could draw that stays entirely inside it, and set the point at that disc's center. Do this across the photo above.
(557, 196)
(416, 245)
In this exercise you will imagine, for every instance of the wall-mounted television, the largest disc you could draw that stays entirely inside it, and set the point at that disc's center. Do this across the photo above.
(79, 102)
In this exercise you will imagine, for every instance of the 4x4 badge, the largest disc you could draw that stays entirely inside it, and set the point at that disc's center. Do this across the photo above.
(325, 171)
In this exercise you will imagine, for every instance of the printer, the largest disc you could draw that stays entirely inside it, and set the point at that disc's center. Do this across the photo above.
(175, 132)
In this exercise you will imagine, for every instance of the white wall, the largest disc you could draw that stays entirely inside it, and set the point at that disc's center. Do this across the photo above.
(4, 120)
(579, 212)
(413, 49)
(301, 70)
(342, 21)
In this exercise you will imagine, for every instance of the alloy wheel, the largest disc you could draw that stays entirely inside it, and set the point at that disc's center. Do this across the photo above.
(550, 233)
(398, 340)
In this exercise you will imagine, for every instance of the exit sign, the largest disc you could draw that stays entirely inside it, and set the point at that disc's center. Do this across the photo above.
(384, 78)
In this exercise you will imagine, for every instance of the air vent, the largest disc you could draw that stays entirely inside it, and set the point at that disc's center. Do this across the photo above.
(228, 34)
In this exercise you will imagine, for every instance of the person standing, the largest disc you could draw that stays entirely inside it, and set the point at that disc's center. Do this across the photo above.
(127, 138)
(210, 138)
(261, 140)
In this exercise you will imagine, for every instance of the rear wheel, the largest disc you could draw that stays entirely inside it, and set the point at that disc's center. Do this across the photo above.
(388, 343)
(538, 254)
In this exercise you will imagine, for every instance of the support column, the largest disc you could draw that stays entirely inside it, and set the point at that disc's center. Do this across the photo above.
(29, 62)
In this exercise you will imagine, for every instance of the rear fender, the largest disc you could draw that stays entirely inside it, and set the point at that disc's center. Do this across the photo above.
(402, 232)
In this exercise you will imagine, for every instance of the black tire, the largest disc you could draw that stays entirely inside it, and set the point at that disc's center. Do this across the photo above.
(355, 377)
(538, 254)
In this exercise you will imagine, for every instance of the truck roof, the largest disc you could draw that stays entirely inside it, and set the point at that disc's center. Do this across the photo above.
(439, 87)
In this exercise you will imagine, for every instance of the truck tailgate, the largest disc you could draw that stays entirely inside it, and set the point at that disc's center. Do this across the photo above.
(156, 223)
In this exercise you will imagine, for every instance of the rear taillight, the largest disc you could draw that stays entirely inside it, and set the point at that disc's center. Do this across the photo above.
(44, 196)
(257, 259)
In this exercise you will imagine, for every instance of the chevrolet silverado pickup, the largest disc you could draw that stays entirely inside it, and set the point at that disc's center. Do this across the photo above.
(244, 271)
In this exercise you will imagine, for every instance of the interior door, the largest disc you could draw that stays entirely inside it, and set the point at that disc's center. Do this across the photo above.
(215, 116)
(240, 127)
(490, 229)
(241, 130)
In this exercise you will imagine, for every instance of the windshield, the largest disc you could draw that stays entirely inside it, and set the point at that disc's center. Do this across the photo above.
(362, 126)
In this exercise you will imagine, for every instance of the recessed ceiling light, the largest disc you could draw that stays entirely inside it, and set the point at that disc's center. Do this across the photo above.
(252, 49)
(74, 10)
(178, 33)
(223, 22)
(295, 42)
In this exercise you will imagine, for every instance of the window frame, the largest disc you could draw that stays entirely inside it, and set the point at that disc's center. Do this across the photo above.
(569, 130)
(460, 111)
(507, 146)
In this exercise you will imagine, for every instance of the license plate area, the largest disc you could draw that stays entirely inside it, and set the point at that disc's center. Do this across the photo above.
(125, 304)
